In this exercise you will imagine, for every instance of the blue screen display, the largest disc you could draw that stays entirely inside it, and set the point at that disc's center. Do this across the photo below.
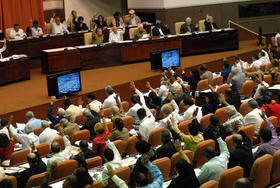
(170, 58)
(69, 83)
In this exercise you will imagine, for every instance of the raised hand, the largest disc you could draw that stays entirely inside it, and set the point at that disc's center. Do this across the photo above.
(195, 112)
(32, 146)
(102, 113)
(170, 96)
(177, 145)
(53, 99)
(217, 132)
(262, 114)
(110, 171)
(105, 138)
(148, 85)
(117, 96)
(61, 131)
(170, 68)
(80, 101)
(132, 86)
(222, 97)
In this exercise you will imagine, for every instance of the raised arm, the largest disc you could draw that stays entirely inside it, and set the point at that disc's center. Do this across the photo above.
(118, 181)
(269, 125)
(155, 172)
(148, 85)
(183, 156)
(9, 127)
(112, 146)
(119, 103)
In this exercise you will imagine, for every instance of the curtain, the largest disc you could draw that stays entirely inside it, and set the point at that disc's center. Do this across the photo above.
(21, 12)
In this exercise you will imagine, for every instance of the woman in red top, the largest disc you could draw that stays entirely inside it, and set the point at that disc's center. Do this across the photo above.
(6, 145)
(98, 143)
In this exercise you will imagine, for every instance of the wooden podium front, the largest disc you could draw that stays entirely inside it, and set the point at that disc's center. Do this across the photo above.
(60, 59)
(14, 70)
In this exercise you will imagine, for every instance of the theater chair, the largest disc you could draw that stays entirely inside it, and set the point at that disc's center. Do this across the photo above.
(184, 126)
(202, 85)
(199, 158)
(43, 149)
(164, 165)
(96, 184)
(35, 180)
(60, 141)
(275, 173)
(88, 38)
(38, 130)
(8, 31)
(178, 27)
(260, 172)
(229, 176)
(221, 89)
(128, 122)
(131, 145)
(268, 79)
(19, 157)
(249, 130)
(94, 162)
(11, 178)
(154, 138)
(176, 157)
(80, 120)
(204, 121)
(125, 105)
(222, 115)
(64, 169)
(201, 25)
(243, 109)
(273, 120)
(80, 135)
(247, 88)
(123, 173)
(209, 184)
(110, 126)
(228, 142)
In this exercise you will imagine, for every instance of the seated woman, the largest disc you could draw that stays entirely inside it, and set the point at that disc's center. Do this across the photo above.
(120, 132)
(117, 20)
(98, 143)
(275, 70)
(7, 144)
(100, 22)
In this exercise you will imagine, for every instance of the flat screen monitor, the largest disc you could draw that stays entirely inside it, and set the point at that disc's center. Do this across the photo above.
(64, 83)
(170, 58)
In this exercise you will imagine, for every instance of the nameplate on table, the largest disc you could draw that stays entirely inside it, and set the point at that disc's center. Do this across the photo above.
(59, 49)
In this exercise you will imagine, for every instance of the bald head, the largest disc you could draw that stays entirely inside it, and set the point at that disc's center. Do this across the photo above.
(29, 129)
(236, 140)
(61, 112)
(243, 183)
(55, 147)
(114, 110)
(32, 159)
(63, 122)
(29, 115)
(115, 29)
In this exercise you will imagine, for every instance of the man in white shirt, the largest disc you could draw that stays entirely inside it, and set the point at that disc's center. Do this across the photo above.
(36, 31)
(72, 111)
(168, 112)
(111, 157)
(115, 35)
(147, 120)
(253, 117)
(238, 64)
(17, 33)
(256, 63)
(48, 134)
(110, 101)
(26, 139)
(133, 110)
(58, 155)
(94, 104)
(263, 58)
(58, 27)
(190, 106)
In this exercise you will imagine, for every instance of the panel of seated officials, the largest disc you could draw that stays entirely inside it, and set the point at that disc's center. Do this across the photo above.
(216, 127)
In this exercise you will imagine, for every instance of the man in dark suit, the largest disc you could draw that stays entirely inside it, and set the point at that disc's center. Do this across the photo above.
(188, 27)
(160, 29)
(210, 25)
(167, 149)
(242, 154)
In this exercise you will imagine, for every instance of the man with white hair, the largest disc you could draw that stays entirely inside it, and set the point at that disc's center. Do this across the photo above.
(110, 101)
(116, 35)
(68, 127)
(58, 27)
(32, 120)
(48, 134)
(237, 79)
(26, 139)
(188, 27)
(117, 111)
(234, 119)
(60, 112)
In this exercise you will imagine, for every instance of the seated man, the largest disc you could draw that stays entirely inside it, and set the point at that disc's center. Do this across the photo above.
(132, 18)
(58, 155)
(36, 31)
(111, 157)
(80, 25)
(116, 35)
(205, 73)
(243, 183)
(167, 148)
(17, 33)
(110, 101)
(160, 29)
(97, 36)
(69, 128)
(253, 117)
(36, 164)
(256, 63)
(58, 27)
(270, 141)
(93, 103)
(72, 111)
(139, 32)
(215, 166)
(60, 112)
(32, 120)
(117, 111)
(188, 27)
(88, 153)
(264, 59)
(234, 119)
(147, 120)
(210, 25)
(48, 134)
(242, 152)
